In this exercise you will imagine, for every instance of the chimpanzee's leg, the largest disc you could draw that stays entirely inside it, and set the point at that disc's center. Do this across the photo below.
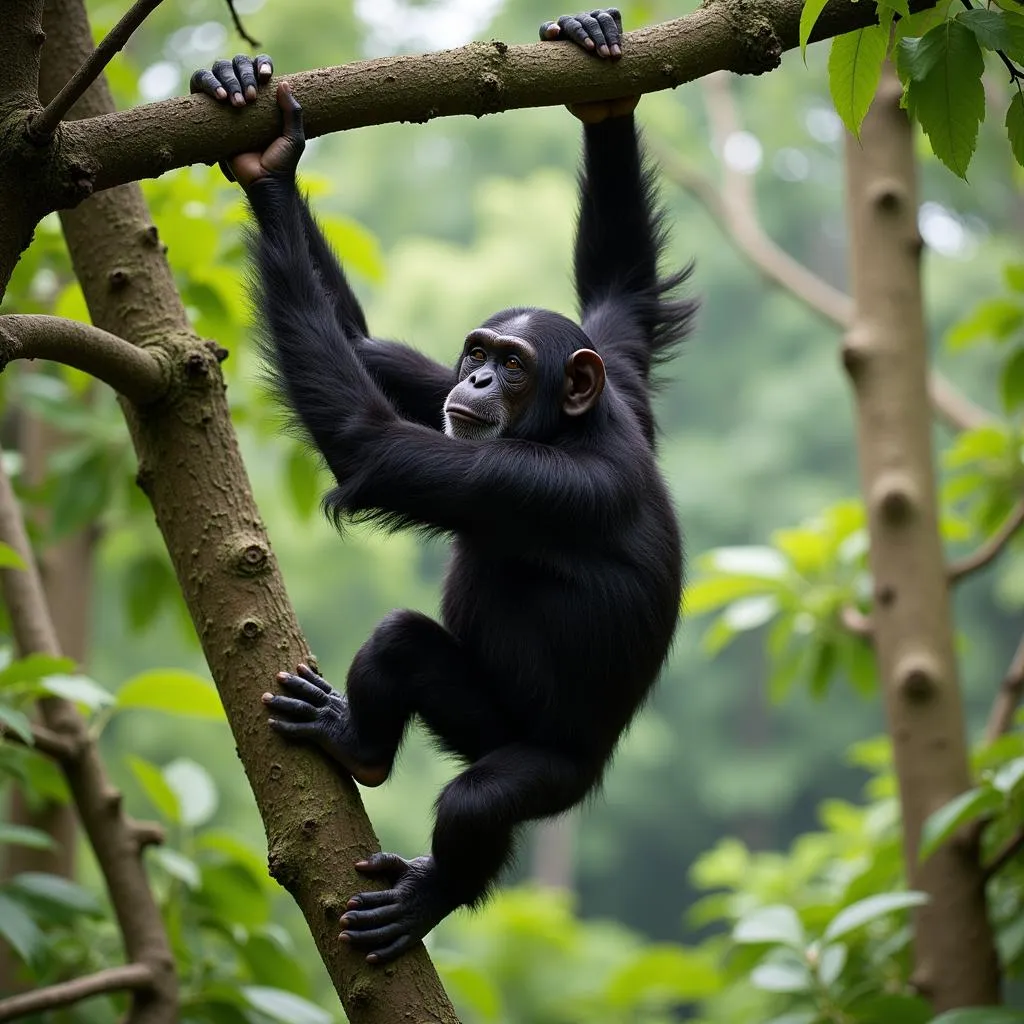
(410, 665)
(477, 814)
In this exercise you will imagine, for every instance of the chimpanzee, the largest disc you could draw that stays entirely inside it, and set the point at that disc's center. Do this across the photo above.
(536, 455)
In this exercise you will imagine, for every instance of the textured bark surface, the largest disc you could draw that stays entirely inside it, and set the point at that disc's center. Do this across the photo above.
(885, 354)
(191, 469)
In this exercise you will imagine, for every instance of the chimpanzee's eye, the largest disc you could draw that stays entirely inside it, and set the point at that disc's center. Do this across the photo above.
(513, 363)
(477, 354)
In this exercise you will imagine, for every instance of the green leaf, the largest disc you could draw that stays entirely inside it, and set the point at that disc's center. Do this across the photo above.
(781, 977)
(941, 824)
(22, 835)
(149, 582)
(867, 910)
(808, 16)
(776, 924)
(750, 613)
(665, 973)
(891, 1009)
(995, 318)
(831, 961)
(854, 70)
(195, 790)
(9, 558)
(20, 931)
(32, 668)
(711, 592)
(948, 98)
(981, 1015)
(1015, 127)
(17, 722)
(1007, 779)
(285, 1006)
(178, 866)
(80, 690)
(1011, 382)
(55, 894)
(994, 29)
(155, 786)
(172, 691)
(471, 987)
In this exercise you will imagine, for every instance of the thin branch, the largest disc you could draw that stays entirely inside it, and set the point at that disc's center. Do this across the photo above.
(734, 208)
(44, 124)
(477, 79)
(1005, 705)
(988, 551)
(46, 741)
(1016, 75)
(240, 28)
(110, 832)
(1013, 846)
(129, 370)
(130, 977)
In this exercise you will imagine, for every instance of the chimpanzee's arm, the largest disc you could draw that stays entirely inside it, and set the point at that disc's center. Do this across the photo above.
(623, 301)
(395, 472)
(416, 384)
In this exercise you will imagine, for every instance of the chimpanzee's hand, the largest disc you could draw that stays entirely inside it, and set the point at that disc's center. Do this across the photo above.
(600, 33)
(316, 713)
(387, 923)
(237, 80)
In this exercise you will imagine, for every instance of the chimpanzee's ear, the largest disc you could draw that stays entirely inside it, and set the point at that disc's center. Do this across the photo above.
(584, 381)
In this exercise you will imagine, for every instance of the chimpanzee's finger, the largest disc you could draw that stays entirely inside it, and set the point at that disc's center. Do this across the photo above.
(290, 708)
(303, 689)
(264, 67)
(382, 956)
(295, 730)
(612, 31)
(592, 27)
(246, 75)
(549, 30)
(224, 72)
(377, 898)
(310, 676)
(205, 82)
(386, 912)
(383, 864)
(291, 110)
(572, 29)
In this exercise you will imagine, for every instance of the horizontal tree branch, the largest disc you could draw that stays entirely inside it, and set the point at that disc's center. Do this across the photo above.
(129, 370)
(114, 979)
(478, 79)
(43, 125)
(987, 552)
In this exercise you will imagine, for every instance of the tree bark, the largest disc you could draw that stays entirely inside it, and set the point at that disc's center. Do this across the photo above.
(885, 355)
(191, 469)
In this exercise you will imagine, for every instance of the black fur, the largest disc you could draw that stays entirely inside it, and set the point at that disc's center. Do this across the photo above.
(563, 591)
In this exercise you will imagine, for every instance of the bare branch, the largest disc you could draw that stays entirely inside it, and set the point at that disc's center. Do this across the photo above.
(46, 741)
(130, 977)
(1006, 853)
(734, 207)
(240, 28)
(478, 79)
(1005, 705)
(98, 802)
(988, 551)
(128, 369)
(42, 126)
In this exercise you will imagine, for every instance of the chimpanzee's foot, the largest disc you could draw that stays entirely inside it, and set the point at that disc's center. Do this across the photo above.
(317, 713)
(386, 924)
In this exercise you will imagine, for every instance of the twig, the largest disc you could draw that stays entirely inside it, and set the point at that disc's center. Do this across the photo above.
(111, 833)
(46, 741)
(44, 124)
(1005, 853)
(240, 28)
(1016, 75)
(734, 208)
(988, 551)
(1003, 707)
(129, 370)
(130, 977)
